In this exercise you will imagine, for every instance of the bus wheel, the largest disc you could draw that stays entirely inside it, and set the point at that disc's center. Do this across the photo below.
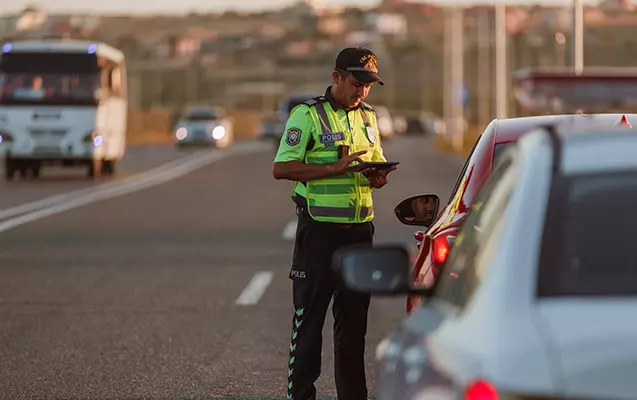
(95, 169)
(108, 167)
(9, 169)
(35, 170)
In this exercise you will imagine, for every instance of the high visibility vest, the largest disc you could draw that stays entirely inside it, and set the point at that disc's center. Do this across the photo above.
(345, 198)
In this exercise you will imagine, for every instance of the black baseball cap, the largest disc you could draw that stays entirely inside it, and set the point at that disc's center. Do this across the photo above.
(360, 62)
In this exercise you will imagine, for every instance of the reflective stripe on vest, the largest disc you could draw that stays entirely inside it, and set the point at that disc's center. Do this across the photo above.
(350, 212)
(337, 198)
(326, 126)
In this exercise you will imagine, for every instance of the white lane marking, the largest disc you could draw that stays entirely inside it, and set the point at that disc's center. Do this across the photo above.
(49, 201)
(255, 289)
(289, 232)
(241, 148)
(108, 192)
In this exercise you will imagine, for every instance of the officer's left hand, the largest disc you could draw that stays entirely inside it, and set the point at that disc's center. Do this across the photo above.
(378, 177)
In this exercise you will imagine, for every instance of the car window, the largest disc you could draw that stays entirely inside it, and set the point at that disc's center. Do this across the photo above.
(463, 171)
(498, 150)
(462, 273)
(590, 249)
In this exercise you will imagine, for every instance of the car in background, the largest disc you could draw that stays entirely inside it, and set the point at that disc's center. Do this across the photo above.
(400, 122)
(536, 298)
(442, 227)
(204, 125)
(272, 128)
(385, 122)
(426, 124)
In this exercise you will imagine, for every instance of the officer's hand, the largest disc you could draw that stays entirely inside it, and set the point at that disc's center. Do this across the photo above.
(341, 166)
(373, 172)
(378, 177)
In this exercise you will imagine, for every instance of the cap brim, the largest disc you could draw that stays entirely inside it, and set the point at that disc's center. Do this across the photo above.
(368, 77)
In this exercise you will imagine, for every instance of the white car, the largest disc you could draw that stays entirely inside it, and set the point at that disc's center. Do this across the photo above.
(538, 295)
(385, 122)
(203, 125)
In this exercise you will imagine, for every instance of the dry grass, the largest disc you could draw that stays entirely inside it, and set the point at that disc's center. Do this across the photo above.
(146, 138)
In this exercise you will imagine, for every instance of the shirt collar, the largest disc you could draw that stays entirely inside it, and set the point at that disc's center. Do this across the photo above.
(336, 105)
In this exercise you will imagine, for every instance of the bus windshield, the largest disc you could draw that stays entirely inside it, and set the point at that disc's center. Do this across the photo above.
(49, 79)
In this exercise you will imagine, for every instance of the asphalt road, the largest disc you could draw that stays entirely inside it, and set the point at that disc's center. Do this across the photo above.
(135, 296)
(56, 180)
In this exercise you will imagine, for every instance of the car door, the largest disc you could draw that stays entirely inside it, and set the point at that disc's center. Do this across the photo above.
(461, 277)
(463, 271)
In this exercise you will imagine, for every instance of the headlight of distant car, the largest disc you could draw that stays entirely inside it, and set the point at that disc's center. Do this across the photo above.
(218, 132)
(181, 133)
(384, 124)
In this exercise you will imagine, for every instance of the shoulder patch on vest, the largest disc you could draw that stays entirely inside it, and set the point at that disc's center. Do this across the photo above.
(367, 106)
(316, 100)
(293, 137)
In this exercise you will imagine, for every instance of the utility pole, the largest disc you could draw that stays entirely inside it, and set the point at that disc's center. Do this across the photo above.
(578, 36)
(425, 73)
(457, 76)
(484, 67)
(447, 93)
(501, 76)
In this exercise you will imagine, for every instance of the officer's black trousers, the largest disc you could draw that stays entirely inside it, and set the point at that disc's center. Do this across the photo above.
(315, 282)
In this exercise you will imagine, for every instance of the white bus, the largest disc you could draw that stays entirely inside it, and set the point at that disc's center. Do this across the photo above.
(62, 102)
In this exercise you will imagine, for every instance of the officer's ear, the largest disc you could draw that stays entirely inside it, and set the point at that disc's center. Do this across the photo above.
(339, 76)
(336, 77)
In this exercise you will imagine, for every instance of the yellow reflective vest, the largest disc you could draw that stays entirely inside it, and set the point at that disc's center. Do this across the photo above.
(345, 198)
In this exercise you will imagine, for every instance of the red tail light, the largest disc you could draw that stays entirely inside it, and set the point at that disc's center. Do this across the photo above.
(440, 249)
(481, 390)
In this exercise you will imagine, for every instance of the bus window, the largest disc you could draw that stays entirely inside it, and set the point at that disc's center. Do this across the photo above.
(49, 79)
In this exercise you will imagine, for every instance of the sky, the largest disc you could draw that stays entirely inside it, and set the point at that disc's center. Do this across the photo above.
(169, 6)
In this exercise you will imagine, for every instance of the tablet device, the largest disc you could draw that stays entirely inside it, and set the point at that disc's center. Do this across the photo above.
(374, 165)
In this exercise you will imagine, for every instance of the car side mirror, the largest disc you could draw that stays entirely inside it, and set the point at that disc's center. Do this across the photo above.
(384, 270)
(418, 210)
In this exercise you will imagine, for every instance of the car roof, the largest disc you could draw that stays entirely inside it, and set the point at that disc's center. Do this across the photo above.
(64, 46)
(202, 108)
(597, 149)
(511, 129)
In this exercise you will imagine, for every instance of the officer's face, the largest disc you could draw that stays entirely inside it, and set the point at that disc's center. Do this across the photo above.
(349, 90)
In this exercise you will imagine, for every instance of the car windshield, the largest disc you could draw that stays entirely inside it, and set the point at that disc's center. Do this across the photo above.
(201, 115)
(594, 239)
(49, 79)
(499, 149)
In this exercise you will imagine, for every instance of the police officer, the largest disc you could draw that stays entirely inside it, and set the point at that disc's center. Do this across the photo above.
(323, 138)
